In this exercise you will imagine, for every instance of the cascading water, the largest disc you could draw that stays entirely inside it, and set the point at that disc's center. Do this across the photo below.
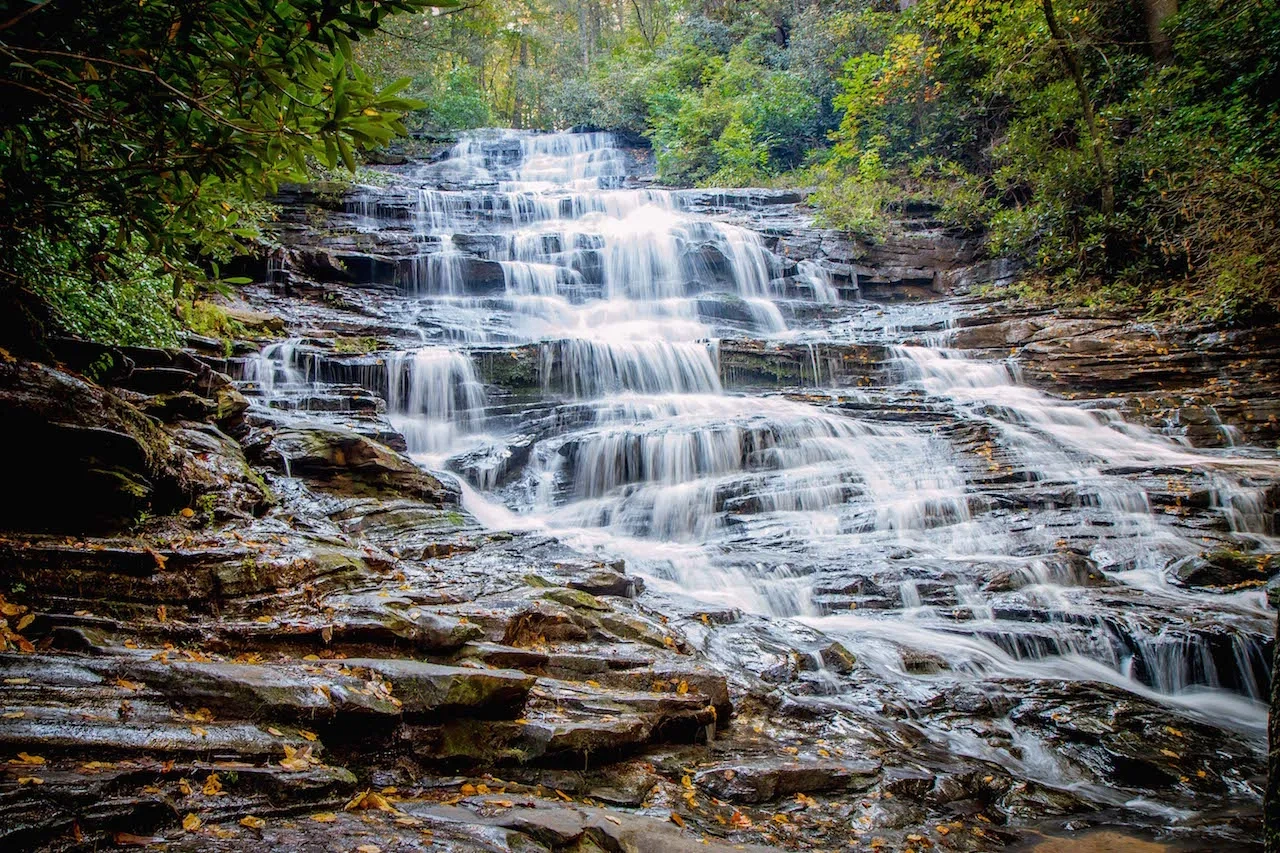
(950, 515)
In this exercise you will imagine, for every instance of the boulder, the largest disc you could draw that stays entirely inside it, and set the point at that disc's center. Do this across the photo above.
(770, 779)
(80, 456)
(345, 462)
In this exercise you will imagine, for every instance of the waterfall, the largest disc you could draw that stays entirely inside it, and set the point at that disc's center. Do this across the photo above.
(945, 511)
(433, 395)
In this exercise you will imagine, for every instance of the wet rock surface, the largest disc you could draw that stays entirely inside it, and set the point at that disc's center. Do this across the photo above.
(292, 614)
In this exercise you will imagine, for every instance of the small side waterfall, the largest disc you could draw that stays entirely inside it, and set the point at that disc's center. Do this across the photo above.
(433, 395)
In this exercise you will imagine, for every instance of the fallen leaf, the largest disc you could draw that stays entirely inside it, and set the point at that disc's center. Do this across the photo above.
(212, 786)
(271, 730)
(191, 822)
(368, 848)
(199, 732)
(14, 715)
(17, 681)
(27, 758)
(252, 822)
(683, 687)
(324, 817)
(129, 839)
(162, 613)
(128, 685)
(160, 559)
(677, 820)
(25, 621)
(306, 735)
(265, 620)
(297, 759)
(30, 780)
(562, 795)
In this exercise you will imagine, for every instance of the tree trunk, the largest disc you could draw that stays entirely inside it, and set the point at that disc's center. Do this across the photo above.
(1072, 62)
(1155, 12)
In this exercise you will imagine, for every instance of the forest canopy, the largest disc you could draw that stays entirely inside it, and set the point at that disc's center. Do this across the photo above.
(1123, 152)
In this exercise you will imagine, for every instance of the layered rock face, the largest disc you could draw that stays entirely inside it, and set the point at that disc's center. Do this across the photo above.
(568, 513)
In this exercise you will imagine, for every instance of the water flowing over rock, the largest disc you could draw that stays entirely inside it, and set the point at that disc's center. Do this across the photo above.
(759, 531)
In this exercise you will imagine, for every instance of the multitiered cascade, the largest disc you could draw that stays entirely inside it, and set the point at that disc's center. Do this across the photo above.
(957, 531)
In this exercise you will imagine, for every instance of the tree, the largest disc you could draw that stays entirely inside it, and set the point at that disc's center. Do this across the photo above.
(157, 126)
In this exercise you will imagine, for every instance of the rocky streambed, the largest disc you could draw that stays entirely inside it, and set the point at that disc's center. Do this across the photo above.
(556, 512)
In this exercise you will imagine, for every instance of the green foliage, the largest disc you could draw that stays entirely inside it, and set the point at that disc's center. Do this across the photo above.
(211, 320)
(969, 105)
(96, 289)
(167, 122)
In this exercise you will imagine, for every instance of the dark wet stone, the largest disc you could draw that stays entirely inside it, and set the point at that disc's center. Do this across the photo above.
(346, 462)
(1224, 568)
(609, 582)
(762, 781)
(84, 457)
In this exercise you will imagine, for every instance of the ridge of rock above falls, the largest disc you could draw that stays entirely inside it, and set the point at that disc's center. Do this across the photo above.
(569, 513)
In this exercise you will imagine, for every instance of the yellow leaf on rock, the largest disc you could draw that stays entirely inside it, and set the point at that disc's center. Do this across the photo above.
(306, 735)
(271, 730)
(199, 732)
(14, 715)
(265, 620)
(212, 786)
(26, 621)
(252, 822)
(30, 780)
(677, 820)
(368, 848)
(27, 758)
(324, 817)
(191, 822)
